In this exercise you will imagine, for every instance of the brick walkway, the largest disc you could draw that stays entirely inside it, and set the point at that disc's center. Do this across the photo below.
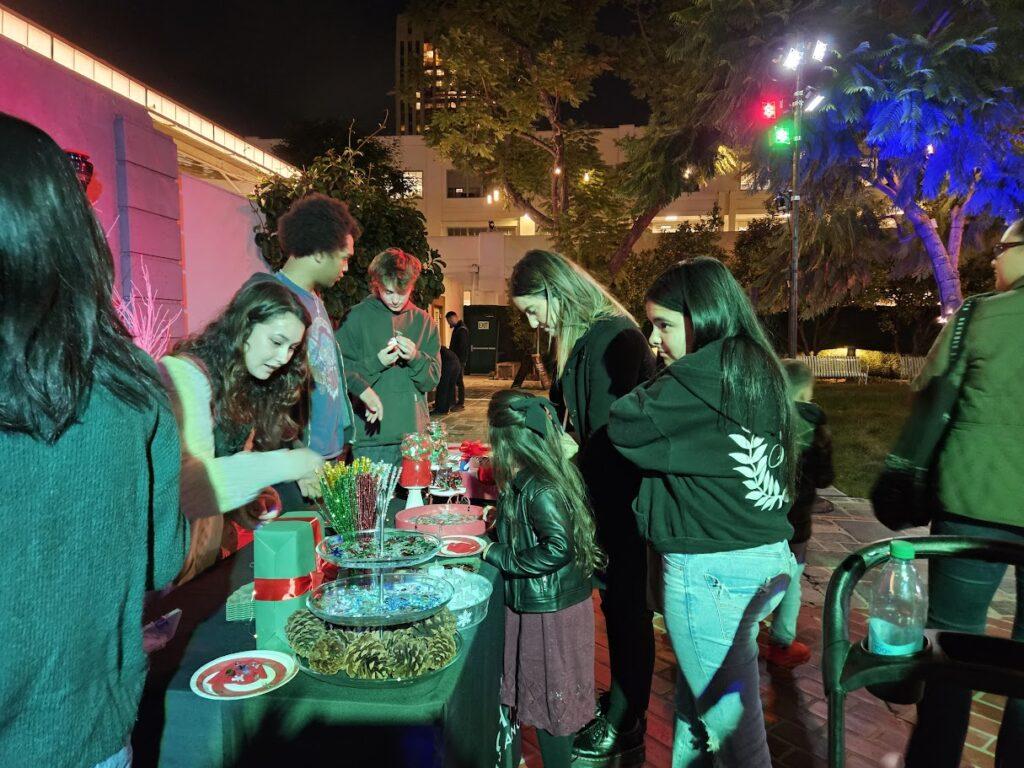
(794, 701)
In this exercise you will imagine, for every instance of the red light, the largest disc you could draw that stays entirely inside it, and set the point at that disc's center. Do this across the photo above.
(768, 110)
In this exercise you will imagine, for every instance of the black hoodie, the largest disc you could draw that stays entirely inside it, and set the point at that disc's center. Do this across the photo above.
(710, 483)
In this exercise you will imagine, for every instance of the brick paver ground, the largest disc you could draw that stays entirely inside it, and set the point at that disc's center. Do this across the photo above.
(794, 701)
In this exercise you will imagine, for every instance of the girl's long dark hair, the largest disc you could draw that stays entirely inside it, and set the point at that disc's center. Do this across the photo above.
(59, 334)
(705, 291)
(241, 401)
(515, 447)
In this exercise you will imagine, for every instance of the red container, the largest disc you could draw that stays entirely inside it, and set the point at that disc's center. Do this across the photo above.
(415, 473)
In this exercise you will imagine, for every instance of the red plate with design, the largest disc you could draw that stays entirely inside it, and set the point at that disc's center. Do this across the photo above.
(461, 546)
(244, 675)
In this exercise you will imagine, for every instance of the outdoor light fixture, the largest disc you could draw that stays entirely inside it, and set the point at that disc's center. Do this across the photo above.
(586, 176)
(814, 103)
(769, 110)
(490, 198)
(782, 135)
(819, 50)
(793, 59)
(497, 194)
(687, 173)
(930, 149)
(558, 170)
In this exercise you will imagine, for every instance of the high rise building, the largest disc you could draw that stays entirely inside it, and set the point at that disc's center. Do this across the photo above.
(419, 66)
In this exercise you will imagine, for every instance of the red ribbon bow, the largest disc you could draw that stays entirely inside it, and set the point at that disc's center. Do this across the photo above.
(471, 448)
(286, 589)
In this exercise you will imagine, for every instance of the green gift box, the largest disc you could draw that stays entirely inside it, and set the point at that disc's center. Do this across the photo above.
(285, 569)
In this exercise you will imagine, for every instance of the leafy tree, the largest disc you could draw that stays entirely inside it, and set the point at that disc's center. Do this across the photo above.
(923, 107)
(689, 240)
(518, 71)
(375, 195)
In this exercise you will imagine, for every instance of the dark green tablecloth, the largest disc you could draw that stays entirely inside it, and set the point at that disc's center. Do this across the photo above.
(450, 719)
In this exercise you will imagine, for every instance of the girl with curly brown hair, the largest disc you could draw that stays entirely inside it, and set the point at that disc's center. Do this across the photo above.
(233, 388)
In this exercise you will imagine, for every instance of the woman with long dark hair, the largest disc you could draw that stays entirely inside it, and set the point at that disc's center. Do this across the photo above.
(712, 435)
(234, 387)
(601, 356)
(89, 480)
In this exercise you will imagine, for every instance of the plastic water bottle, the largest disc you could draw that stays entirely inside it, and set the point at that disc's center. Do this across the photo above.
(899, 605)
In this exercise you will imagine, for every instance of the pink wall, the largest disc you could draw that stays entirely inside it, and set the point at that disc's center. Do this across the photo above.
(220, 253)
(135, 165)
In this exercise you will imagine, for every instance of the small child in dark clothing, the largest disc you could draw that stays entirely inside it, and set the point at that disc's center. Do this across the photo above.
(814, 470)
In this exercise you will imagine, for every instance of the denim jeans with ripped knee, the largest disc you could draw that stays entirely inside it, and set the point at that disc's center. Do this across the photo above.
(713, 605)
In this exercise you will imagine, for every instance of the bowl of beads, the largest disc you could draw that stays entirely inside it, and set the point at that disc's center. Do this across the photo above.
(379, 600)
(444, 520)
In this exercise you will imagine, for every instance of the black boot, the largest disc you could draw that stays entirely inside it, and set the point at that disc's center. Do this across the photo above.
(601, 745)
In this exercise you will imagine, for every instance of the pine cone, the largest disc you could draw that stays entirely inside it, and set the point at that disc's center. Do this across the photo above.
(409, 657)
(328, 654)
(440, 649)
(303, 630)
(442, 622)
(366, 657)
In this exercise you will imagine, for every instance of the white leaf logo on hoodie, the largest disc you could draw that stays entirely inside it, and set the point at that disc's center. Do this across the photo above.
(755, 466)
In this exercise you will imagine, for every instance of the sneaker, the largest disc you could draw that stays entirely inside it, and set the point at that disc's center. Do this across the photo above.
(601, 745)
(787, 656)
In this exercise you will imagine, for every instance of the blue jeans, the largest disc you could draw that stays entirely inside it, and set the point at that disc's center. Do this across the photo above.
(713, 605)
(783, 630)
(959, 594)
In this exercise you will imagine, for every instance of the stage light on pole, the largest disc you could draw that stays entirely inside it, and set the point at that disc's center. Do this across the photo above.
(768, 110)
(781, 135)
(820, 47)
(793, 59)
(814, 103)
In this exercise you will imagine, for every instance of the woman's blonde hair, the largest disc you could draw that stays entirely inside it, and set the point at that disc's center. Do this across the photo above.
(580, 299)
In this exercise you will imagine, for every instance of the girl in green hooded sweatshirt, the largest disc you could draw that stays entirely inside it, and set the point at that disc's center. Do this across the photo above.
(712, 436)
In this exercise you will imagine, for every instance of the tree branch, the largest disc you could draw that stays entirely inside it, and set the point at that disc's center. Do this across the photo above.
(520, 201)
(535, 140)
(640, 225)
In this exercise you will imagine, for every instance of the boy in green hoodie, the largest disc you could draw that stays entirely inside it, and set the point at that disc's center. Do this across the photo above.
(390, 347)
(814, 470)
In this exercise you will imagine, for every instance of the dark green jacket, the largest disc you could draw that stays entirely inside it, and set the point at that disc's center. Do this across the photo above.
(980, 468)
(402, 387)
(90, 524)
(710, 483)
(535, 550)
(607, 362)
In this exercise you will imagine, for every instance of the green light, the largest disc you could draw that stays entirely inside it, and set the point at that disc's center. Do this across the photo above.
(781, 135)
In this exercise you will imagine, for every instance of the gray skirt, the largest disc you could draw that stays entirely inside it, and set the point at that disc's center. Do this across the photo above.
(549, 667)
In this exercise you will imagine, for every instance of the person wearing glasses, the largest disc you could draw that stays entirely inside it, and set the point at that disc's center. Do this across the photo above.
(985, 440)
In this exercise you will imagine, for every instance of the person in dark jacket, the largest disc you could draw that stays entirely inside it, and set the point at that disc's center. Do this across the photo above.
(546, 553)
(814, 470)
(980, 493)
(712, 435)
(451, 372)
(459, 344)
(88, 444)
(600, 356)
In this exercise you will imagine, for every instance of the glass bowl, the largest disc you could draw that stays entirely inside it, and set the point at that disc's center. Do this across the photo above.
(402, 549)
(379, 600)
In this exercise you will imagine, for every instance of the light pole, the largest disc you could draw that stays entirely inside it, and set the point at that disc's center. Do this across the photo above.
(793, 61)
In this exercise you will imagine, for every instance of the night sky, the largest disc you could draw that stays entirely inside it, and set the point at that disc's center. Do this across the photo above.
(255, 66)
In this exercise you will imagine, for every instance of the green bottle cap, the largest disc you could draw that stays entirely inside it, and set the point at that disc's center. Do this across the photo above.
(901, 550)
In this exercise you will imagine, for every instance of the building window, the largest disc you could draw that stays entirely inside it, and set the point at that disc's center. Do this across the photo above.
(474, 231)
(748, 182)
(464, 184)
(414, 183)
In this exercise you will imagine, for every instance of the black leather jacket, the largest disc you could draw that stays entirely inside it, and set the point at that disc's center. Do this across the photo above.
(535, 550)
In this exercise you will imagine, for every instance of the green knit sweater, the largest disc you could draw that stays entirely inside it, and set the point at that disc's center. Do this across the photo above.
(90, 524)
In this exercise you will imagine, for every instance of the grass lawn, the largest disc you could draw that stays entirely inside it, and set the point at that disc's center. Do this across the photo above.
(865, 419)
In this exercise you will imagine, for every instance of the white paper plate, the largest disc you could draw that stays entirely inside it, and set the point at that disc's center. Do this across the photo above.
(214, 679)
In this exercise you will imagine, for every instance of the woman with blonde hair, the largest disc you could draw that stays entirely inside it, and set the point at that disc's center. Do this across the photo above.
(601, 356)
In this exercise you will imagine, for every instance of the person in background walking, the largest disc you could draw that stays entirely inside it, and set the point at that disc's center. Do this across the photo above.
(89, 487)
(980, 493)
(451, 372)
(459, 344)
